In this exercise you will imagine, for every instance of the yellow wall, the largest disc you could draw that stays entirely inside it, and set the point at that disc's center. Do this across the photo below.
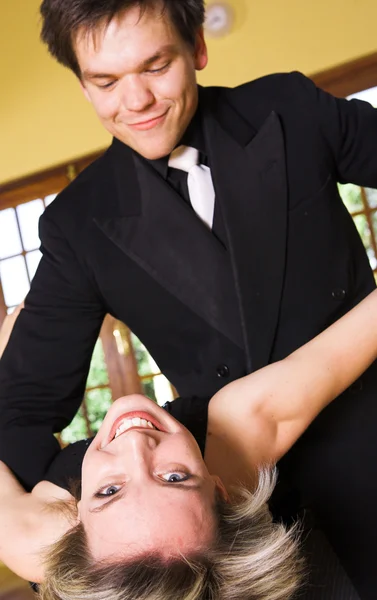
(44, 120)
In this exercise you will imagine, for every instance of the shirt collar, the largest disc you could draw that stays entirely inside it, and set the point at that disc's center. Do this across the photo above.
(193, 137)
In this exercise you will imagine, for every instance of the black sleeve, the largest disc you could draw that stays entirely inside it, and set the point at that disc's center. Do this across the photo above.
(349, 129)
(44, 368)
(192, 412)
(65, 469)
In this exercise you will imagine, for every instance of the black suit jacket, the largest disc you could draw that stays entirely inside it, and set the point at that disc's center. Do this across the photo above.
(118, 241)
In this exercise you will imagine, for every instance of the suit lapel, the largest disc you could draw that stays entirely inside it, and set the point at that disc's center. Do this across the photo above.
(158, 231)
(248, 171)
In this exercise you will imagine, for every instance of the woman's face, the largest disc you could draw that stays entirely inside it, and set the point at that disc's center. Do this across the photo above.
(145, 487)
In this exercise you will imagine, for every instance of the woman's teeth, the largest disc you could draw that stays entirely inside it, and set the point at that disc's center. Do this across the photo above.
(134, 422)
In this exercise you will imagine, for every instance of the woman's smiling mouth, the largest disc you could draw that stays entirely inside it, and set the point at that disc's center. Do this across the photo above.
(133, 420)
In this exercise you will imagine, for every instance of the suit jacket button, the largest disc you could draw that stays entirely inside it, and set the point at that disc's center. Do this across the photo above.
(223, 371)
(339, 294)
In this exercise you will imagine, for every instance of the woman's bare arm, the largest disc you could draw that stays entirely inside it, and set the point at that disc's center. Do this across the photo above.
(262, 415)
(29, 524)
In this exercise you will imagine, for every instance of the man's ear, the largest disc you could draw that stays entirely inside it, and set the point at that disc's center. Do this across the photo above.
(200, 54)
(220, 487)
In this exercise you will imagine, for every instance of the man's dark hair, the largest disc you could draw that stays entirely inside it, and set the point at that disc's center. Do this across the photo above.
(61, 19)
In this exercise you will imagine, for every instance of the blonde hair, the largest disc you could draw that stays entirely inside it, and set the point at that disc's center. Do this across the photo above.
(251, 558)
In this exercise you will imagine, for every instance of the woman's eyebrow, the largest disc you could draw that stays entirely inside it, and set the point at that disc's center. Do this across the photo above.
(181, 486)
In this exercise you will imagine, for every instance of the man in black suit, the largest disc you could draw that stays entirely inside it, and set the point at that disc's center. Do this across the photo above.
(278, 260)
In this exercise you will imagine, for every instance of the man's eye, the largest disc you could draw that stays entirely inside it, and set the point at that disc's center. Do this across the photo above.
(175, 477)
(160, 70)
(106, 86)
(105, 492)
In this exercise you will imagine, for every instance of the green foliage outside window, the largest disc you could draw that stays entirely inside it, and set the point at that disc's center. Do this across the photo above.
(156, 386)
(351, 195)
(144, 367)
(98, 401)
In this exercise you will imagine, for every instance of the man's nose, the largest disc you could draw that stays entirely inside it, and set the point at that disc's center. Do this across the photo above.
(136, 95)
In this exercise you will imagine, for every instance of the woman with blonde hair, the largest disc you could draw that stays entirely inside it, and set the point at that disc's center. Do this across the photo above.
(152, 520)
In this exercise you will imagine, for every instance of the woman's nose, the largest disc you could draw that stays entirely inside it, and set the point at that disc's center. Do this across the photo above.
(141, 444)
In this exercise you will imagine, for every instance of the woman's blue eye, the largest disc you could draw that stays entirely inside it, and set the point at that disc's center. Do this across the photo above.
(107, 491)
(174, 477)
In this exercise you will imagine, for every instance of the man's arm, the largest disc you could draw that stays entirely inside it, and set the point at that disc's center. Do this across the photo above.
(44, 367)
(348, 128)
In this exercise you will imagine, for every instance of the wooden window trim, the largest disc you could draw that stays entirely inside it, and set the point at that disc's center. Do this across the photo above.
(44, 183)
(350, 77)
(342, 80)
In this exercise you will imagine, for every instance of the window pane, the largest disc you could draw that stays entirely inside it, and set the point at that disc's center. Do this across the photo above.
(364, 231)
(372, 197)
(369, 95)
(148, 388)
(98, 403)
(10, 242)
(50, 199)
(14, 280)
(373, 258)
(28, 216)
(351, 196)
(76, 430)
(98, 372)
(162, 390)
(32, 261)
(158, 389)
(145, 363)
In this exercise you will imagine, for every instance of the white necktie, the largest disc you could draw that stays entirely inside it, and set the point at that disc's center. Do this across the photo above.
(199, 181)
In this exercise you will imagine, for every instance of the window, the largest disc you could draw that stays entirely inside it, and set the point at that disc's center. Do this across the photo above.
(362, 202)
(19, 248)
(357, 79)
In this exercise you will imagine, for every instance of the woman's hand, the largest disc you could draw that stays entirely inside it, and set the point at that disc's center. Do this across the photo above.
(29, 523)
(7, 326)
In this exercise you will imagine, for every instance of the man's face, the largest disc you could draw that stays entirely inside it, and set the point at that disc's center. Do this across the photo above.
(139, 74)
